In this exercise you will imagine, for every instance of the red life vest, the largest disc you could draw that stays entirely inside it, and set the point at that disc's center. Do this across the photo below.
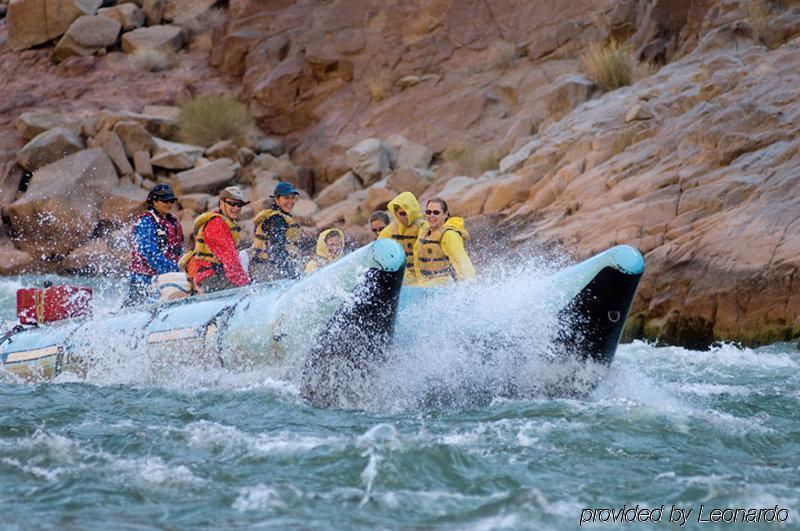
(169, 240)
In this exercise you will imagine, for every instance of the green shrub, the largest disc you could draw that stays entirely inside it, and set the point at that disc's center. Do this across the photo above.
(611, 65)
(208, 119)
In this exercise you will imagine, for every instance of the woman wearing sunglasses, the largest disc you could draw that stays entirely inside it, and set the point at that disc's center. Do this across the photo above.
(156, 243)
(439, 254)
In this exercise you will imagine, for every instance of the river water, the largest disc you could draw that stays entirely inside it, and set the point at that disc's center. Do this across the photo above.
(665, 427)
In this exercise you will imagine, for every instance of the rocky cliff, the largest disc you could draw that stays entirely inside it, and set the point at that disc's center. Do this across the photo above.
(488, 105)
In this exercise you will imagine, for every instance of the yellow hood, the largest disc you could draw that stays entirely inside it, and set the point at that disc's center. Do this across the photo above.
(322, 251)
(456, 224)
(406, 201)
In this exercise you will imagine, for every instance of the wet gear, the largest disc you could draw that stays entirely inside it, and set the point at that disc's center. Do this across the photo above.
(156, 247)
(323, 256)
(403, 234)
(156, 244)
(439, 254)
(276, 238)
(215, 250)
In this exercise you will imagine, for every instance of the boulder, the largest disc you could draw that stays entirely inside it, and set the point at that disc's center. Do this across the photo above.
(134, 137)
(87, 35)
(176, 10)
(195, 202)
(338, 190)
(32, 123)
(96, 257)
(369, 159)
(168, 112)
(406, 179)
(378, 196)
(272, 146)
(59, 209)
(122, 203)
(346, 212)
(304, 208)
(465, 196)
(246, 156)
(640, 111)
(209, 179)
(570, 91)
(223, 148)
(153, 11)
(163, 38)
(160, 125)
(130, 16)
(14, 261)
(115, 150)
(408, 153)
(285, 170)
(48, 147)
(142, 164)
(266, 161)
(32, 22)
(175, 156)
(263, 184)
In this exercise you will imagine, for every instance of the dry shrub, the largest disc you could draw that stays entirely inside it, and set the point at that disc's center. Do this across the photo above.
(379, 82)
(471, 159)
(611, 65)
(207, 119)
(149, 60)
(758, 12)
(502, 54)
(624, 141)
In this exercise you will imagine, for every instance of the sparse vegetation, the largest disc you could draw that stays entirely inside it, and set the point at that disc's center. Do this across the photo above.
(502, 54)
(624, 141)
(207, 119)
(379, 82)
(148, 60)
(470, 159)
(611, 65)
(758, 16)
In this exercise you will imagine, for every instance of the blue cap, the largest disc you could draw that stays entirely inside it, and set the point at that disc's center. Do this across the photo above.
(161, 192)
(283, 188)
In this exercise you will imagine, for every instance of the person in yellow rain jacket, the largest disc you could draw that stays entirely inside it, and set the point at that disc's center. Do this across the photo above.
(404, 229)
(439, 254)
(330, 245)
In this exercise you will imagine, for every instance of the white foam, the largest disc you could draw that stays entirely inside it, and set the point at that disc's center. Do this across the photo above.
(257, 498)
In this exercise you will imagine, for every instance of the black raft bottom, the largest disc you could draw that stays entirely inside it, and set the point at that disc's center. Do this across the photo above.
(592, 323)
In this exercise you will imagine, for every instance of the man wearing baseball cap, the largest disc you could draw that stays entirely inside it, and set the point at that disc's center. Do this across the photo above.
(276, 236)
(156, 243)
(213, 264)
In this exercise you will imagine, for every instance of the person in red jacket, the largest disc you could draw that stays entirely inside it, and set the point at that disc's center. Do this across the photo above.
(214, 263)
(156, 243)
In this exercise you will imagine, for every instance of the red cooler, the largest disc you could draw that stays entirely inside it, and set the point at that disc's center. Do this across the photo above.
(53, 303)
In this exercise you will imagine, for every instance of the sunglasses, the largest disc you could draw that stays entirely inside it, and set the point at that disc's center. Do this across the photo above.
(167, 200)
(401, 213)
(235, 204)
(433, 212)
(376, 231)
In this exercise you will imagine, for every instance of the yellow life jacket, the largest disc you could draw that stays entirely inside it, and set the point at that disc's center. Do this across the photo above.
(201, 250)
(405, 236)
(433, 262)
(260, 239)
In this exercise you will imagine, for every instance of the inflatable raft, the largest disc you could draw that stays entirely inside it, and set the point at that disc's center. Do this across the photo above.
(319, 330)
